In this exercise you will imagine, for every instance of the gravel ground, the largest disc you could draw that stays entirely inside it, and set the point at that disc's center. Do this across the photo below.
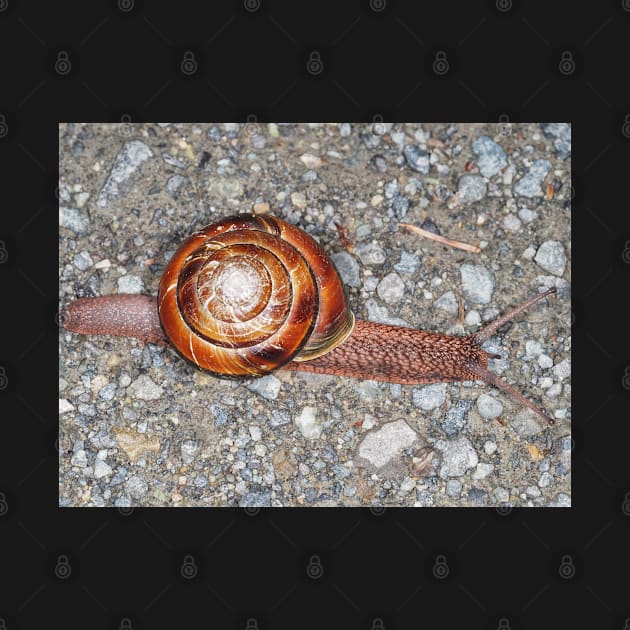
(139, 427)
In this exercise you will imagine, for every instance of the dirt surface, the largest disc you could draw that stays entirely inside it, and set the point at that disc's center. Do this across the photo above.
(140, 427)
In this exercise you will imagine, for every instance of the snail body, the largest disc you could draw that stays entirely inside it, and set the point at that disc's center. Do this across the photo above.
(251, 294)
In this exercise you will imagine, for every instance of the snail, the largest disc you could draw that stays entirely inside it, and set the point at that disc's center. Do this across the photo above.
(252, 293)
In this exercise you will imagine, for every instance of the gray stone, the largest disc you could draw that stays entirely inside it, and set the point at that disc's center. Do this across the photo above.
(453, 488)
(424, 498)
(525, 423)
(256, 499)
(267, 386)
(562, 370)
(74, 220)
(561, 132)
(400, 205)
(408, 263)
(456, 417)
(371, 254)
(345, 129)
(417, 159)
(348, 268)
(378, 313)
(83, 260)
(447, 302)
(560, 500)
(130, 284)
(107, 392)
(458, 456)
(482, 471)
(133, 154)
(136, 487)
(174, 184)
(79, 458)
(101, 469)
(477, 283)
(382, 446)
(489, 407)
(279, 417)
(391, 288)
(551, 257)
(145, 389)
(471, 188)
(430, 396)
(188, 449)
(530, 185)
(491, 157)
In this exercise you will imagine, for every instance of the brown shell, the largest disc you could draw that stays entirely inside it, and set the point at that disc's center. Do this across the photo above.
(244, 296)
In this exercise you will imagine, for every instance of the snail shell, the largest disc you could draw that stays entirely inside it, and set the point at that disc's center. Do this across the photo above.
(246, 295)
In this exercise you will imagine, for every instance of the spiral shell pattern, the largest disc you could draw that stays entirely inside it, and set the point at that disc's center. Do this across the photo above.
(246, 295)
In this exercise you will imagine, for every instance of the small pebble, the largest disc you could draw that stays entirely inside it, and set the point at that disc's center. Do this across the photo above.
(456, 417)
(533, 349)
(491, 157)
(145, 389)
(489, 407)
(472, 318)
(136, 487)
(453, 488)
(131, 157)
(545, 480)
(448, 303)
(174, 184)
(430, 396)
(417, 159)
(130, 284)
(385, 444)
(83, 260)
(279, 417)
(267, 386)
(482, 471)
(188, 450)
(561, 132)
(530, 185)
(101, 469)
(551, 257)
(471, 188)
(74, 220)
(512, 223)
(458, 456)
(560, 500)
(345, 129)
(310, 161)
(371, 254)
(562, 370)
(490, 447)
(391, 288)
(298, 199)
(256, 499)
(348, 268)
(307, 423)
(545, 361)
(477, 283)
(408, 263)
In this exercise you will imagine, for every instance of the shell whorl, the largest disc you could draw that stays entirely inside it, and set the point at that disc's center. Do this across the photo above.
(248, 294)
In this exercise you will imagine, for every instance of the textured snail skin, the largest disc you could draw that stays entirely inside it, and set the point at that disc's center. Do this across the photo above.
(330, 340)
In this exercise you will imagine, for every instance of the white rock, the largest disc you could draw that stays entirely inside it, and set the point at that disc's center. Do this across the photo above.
(482, 471)
(65, 406)
(385, 444)
(307, 423)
